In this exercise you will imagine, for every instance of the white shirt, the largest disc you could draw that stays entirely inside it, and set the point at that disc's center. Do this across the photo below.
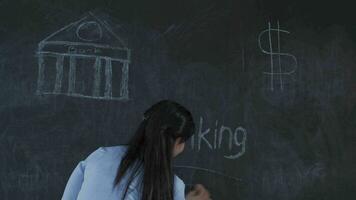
(93, 178)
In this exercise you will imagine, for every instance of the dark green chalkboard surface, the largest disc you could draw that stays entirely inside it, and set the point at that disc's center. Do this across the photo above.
(271, 85)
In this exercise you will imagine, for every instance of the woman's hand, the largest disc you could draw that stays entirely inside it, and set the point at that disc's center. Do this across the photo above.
(199, 192)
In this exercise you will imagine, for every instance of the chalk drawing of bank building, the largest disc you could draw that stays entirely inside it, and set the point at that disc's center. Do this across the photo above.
(84, 59)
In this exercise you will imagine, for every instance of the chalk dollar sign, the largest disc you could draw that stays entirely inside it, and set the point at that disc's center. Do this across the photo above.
(276, 71)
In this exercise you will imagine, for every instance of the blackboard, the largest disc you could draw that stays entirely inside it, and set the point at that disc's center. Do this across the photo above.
(271, 85)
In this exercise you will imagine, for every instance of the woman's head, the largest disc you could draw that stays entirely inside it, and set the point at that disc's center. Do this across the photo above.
(161, 135)
(170, 120)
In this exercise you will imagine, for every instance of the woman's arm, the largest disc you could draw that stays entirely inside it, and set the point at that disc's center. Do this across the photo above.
(74, 183)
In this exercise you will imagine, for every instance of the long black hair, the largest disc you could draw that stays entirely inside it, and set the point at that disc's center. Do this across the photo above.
(151, 149)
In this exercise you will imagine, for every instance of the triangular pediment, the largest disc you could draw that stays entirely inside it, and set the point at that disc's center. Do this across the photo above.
(89, 29)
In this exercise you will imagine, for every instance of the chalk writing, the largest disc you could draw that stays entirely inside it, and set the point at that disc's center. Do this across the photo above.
(86, 42)
(216, 139)
(89, 26)
(276, 72)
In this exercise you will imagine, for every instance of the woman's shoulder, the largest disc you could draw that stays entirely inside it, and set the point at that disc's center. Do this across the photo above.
(107, 151)
(113, 149)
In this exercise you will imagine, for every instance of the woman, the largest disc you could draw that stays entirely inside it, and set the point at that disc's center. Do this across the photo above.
(142, 170)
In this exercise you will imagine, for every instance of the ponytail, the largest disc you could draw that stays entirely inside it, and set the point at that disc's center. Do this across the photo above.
(151, 150)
